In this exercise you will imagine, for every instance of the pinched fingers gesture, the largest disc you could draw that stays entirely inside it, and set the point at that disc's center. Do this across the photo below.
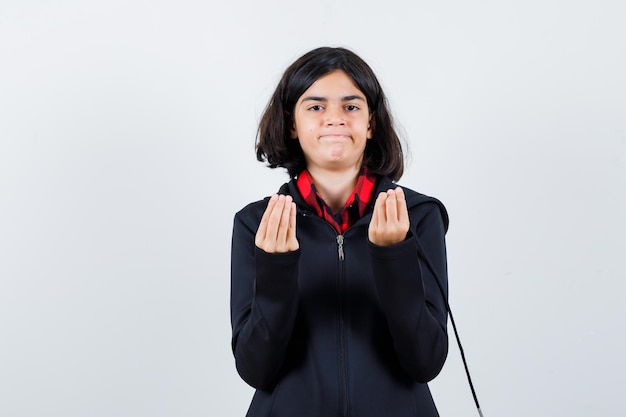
(277, 230)
(390, 220)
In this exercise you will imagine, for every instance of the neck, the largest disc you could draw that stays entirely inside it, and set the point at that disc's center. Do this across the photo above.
(335, 186)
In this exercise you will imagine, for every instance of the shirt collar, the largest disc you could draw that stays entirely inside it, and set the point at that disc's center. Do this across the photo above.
(352, 210)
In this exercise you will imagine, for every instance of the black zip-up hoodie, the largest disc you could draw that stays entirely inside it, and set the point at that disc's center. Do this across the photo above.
(340, 327)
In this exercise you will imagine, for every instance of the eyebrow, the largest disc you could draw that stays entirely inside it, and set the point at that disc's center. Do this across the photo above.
(324, 99)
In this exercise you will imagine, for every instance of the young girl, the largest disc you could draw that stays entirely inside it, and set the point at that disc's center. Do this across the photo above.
(333, 311)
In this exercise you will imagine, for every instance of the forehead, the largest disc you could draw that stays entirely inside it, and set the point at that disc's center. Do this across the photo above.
(335, 83)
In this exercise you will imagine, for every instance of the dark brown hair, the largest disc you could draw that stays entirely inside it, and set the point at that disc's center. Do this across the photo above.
(383, 153)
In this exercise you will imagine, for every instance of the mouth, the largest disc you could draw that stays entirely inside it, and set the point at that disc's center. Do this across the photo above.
(334, 137)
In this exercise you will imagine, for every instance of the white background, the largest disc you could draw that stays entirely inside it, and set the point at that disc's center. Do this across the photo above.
(127, 144)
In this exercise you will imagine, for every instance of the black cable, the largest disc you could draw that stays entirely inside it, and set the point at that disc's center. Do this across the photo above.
(422, 254)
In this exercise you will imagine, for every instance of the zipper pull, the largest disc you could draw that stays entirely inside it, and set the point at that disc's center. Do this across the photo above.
(340, 246)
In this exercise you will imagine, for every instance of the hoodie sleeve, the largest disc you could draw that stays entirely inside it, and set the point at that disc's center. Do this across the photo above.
(264, 303)
(410, 296)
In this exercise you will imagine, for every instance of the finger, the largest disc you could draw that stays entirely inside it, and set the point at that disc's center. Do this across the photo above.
(283, 225)
(267, 242)
(403, 211)
(378, 217)
(262, 230)
(379, 208)
(273, 222)
(391, 206)
(292, 241)
(292, 220)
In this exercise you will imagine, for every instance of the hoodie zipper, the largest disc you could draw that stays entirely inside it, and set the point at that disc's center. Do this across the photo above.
(343, 363)
(340, 247)
(344, 401)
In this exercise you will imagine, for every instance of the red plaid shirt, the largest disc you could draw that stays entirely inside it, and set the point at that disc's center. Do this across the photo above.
(353, 209)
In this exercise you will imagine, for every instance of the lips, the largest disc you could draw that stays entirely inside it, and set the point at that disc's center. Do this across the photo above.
(335, 137)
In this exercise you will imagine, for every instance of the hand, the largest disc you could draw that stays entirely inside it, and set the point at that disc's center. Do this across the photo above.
(390, 220)
(277, 230)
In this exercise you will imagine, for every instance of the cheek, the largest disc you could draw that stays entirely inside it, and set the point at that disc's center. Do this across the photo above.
(307, 127)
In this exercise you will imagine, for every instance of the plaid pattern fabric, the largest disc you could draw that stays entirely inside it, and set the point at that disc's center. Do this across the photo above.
(353, 209)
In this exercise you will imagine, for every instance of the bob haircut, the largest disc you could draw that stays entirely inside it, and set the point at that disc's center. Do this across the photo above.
(383, 153)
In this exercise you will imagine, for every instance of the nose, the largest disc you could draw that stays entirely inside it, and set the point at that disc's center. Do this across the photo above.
(334, 116)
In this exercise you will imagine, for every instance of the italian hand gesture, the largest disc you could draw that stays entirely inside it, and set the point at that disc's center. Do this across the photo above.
(277, 230)
(390, 220)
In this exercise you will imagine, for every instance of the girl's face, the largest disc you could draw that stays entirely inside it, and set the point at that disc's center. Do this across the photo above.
(332, 122)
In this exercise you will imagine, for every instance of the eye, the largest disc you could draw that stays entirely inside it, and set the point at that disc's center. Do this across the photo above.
(352, 107)
(316, 107)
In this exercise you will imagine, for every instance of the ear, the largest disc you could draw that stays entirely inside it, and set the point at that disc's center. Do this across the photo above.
(371, 126)
(293, 131)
